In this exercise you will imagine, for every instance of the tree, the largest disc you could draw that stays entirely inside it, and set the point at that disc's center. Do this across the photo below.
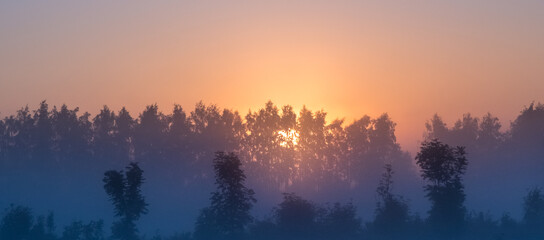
(149, 135)
(442, 167)
(527, 130)
(296, 217)
(436, 129)
(228, 215)
(391, 211)
(465, 131)
(311, 146)
(124, 134)
(341, 222)
(72, 134)
(533, 211)
(125, 194)
(16, 223)
(489, 135)
(266, 159)
(104, 144)
(178, 135)
(42, 134)
(19, 223)
(357, 138)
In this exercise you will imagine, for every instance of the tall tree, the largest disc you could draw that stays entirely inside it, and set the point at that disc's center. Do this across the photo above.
(357, 137)
(436, 129)
(42, 134)
(104, 144)
(489, 134)
(124, 135)
(150, 134)
(442, 167)
(72, 134)
(129, 203)
(262, 144)
(391, 211)
(527, 130)
(228, 215)
(178, 134)
(311, 127)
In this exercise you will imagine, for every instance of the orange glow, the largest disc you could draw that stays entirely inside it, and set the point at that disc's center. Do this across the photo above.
(410, 59)
(288, 138)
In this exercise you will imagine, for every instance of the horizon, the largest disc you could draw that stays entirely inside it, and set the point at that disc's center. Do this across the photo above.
(406, 139)
(411, 60)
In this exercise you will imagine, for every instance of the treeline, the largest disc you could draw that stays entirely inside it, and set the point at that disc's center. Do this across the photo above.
(319, 157)
(505, 162)
(228, 216)
(48, 152)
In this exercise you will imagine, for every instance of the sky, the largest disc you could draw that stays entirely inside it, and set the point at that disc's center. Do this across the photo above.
(411, 59)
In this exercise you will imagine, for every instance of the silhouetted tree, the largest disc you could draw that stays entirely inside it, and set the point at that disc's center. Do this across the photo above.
(311, 146)
(442, 167)
(465, 132)
(178, 139)
(124, 135)
(489, 134)
(125, 194)
(149, 135)
(213, 131)
(527, 131)
(436, 129)
(392, 211)
(533, 212)
(72, 135)
(16, 223)
(19, 223)
(383, 142)
(341, 222)
(296, 217)
(228, 215)
(104, 133)
(42, 135)
(358, 141)
(268, 163)
(42, 148)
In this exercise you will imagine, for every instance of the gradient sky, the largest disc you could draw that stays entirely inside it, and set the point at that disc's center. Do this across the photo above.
(408, 58)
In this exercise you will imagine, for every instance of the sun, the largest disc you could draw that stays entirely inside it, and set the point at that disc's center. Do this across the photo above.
(288, 138)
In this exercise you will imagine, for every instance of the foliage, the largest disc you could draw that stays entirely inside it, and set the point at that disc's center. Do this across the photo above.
(392, 214)
(533, 212)
(229, 211)
(16, 223)
(129, 203)
(56, 148)
(442, 167)
(19, 223)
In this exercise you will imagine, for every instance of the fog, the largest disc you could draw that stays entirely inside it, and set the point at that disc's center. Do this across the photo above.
(54, 159)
